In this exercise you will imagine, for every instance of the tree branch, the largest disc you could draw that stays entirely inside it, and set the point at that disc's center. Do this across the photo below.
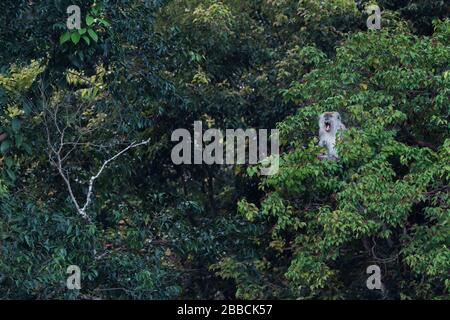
(56, 136)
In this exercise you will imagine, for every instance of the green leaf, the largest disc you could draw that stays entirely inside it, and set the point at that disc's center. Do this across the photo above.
(27, 148)
(75, 36)
(11, 174)
(104, 22)
(64, 37)
(82, 31)
(27, 240)
(89, 20)
(9, 162)
(93, 35)
(86, 38)
(5, 146)
(15, 123)
(19, 140)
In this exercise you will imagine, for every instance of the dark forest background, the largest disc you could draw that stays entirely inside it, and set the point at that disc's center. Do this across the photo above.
(138, 70)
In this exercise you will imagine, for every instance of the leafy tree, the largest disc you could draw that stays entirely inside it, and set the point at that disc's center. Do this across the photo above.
(138, 70)
(386, 201)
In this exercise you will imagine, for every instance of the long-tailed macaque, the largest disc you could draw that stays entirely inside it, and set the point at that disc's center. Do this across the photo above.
(329, 124)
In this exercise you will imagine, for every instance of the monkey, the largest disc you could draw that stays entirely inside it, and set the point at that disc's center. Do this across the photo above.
(329, 124)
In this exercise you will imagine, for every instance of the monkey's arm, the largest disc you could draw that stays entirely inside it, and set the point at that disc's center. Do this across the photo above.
(322, 140)
(322, 143)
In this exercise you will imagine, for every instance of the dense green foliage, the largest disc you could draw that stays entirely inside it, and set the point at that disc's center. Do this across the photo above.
(139, 70)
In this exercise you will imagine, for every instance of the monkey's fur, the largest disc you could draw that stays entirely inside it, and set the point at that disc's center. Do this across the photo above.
(329, 124)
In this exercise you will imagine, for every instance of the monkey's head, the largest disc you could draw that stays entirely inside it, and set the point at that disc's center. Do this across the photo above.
(330, 121)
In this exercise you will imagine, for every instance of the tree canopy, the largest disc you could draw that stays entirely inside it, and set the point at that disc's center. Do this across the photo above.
(86, 176)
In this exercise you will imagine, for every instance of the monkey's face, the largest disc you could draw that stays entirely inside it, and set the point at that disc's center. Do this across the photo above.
(329, 121)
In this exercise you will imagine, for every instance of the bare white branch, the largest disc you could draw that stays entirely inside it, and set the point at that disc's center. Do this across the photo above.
(82, 211)
(58, 155)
